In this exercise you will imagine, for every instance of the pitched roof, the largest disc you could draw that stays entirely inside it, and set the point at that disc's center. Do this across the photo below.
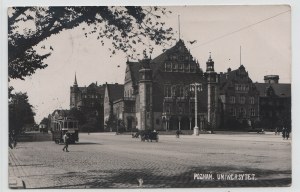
(159, 62)
(231, 77)
(134, 68)
(115, 91)
(98, 89)
(281, 89)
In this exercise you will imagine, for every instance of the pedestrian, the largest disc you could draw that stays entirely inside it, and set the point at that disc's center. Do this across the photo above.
(287, 134)
(177, 133)
(283, 132)
(66, 142)
(276, 131)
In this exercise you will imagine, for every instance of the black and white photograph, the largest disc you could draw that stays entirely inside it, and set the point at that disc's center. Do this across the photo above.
(149, 97)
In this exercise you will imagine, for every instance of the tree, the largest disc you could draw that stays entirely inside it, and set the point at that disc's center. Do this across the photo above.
(45, 121)
(20, 113)
(112, 123)
(125, 26)
(78, 115)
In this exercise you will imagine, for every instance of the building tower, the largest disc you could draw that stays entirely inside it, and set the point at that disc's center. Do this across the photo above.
(145, 94)
(213, 94)
(74, 91)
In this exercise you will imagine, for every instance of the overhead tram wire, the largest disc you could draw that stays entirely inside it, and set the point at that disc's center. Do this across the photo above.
(238, 30)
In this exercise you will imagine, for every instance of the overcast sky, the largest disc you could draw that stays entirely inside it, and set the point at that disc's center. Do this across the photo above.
(264, 32)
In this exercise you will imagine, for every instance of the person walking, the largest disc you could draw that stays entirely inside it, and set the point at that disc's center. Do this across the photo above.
(287, 133)
(283, 132)
(66, 138)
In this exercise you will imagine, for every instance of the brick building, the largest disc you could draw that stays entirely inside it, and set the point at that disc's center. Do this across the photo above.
(239, 99)
(158, 92)
(89, 100)
(274, 102)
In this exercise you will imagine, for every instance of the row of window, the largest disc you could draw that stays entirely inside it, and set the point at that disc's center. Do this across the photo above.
(180, 57)
(242, 87)
(175, 67)
(180, 109)
(180, 91)
(128, 93)
(92, 96)
(171, 90)
(241, 112)
(241, 100)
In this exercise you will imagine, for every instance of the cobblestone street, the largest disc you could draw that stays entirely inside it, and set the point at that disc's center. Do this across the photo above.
(104, 160)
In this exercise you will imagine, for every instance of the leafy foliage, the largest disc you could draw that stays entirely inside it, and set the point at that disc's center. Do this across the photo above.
(125, 26)
(78, 115)
(45, 121)
(20, 113)
(114, 124)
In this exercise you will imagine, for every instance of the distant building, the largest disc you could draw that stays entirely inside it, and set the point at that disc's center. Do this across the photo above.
(55, 115)
(274, 102)
(113, 101)
(89, 100)
(239, 99)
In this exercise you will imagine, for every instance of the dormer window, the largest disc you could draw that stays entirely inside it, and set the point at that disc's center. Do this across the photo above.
(167, 67)
(174, 66)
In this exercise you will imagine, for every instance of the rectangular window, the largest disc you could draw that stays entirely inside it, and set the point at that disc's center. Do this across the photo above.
(252, 112)
(242, 100)
(173, 91)
(180, 67)
(167, 108)
(168, 67)
(232, 99)
(181, 91)
(192, 68)
(175, 66)
(251, 100)
(242, 112)
(167, 91)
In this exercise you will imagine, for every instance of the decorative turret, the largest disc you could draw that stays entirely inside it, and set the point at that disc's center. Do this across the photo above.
(210, 64)
(74, 96)
(145, 94)
(75, 82)
(272, 79)
(212, 94)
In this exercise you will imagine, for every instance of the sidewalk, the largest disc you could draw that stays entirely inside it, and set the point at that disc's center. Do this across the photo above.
(267, 136)
(15, 172)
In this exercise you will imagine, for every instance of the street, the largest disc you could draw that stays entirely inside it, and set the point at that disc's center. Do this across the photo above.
(105, 160)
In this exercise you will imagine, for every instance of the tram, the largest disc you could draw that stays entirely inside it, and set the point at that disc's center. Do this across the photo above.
(62, 125)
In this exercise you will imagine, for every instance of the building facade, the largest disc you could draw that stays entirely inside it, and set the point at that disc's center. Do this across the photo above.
(239, 100)
(160, 94)
(90, 101)
(274, 103)
(172, 92)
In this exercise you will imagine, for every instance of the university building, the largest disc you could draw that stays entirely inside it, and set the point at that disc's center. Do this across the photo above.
(160, 93)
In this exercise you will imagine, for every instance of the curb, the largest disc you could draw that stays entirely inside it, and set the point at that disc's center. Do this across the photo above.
(16, 183)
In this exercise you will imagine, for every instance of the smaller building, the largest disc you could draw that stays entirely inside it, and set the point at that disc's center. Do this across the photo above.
(239, 99)
(274, 103)
(113, 101)
(43, 128)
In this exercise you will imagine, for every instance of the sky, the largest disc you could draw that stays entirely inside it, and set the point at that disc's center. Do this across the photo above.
(263, 32)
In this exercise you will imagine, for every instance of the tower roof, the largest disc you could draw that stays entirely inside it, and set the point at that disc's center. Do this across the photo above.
(75, 81)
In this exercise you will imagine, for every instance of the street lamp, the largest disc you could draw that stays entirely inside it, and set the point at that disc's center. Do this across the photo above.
(196, 87)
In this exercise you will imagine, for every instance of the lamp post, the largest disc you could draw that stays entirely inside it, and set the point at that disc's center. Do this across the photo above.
(196, 87)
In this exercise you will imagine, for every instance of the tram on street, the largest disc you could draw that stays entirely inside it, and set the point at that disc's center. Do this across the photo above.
(60, 126)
